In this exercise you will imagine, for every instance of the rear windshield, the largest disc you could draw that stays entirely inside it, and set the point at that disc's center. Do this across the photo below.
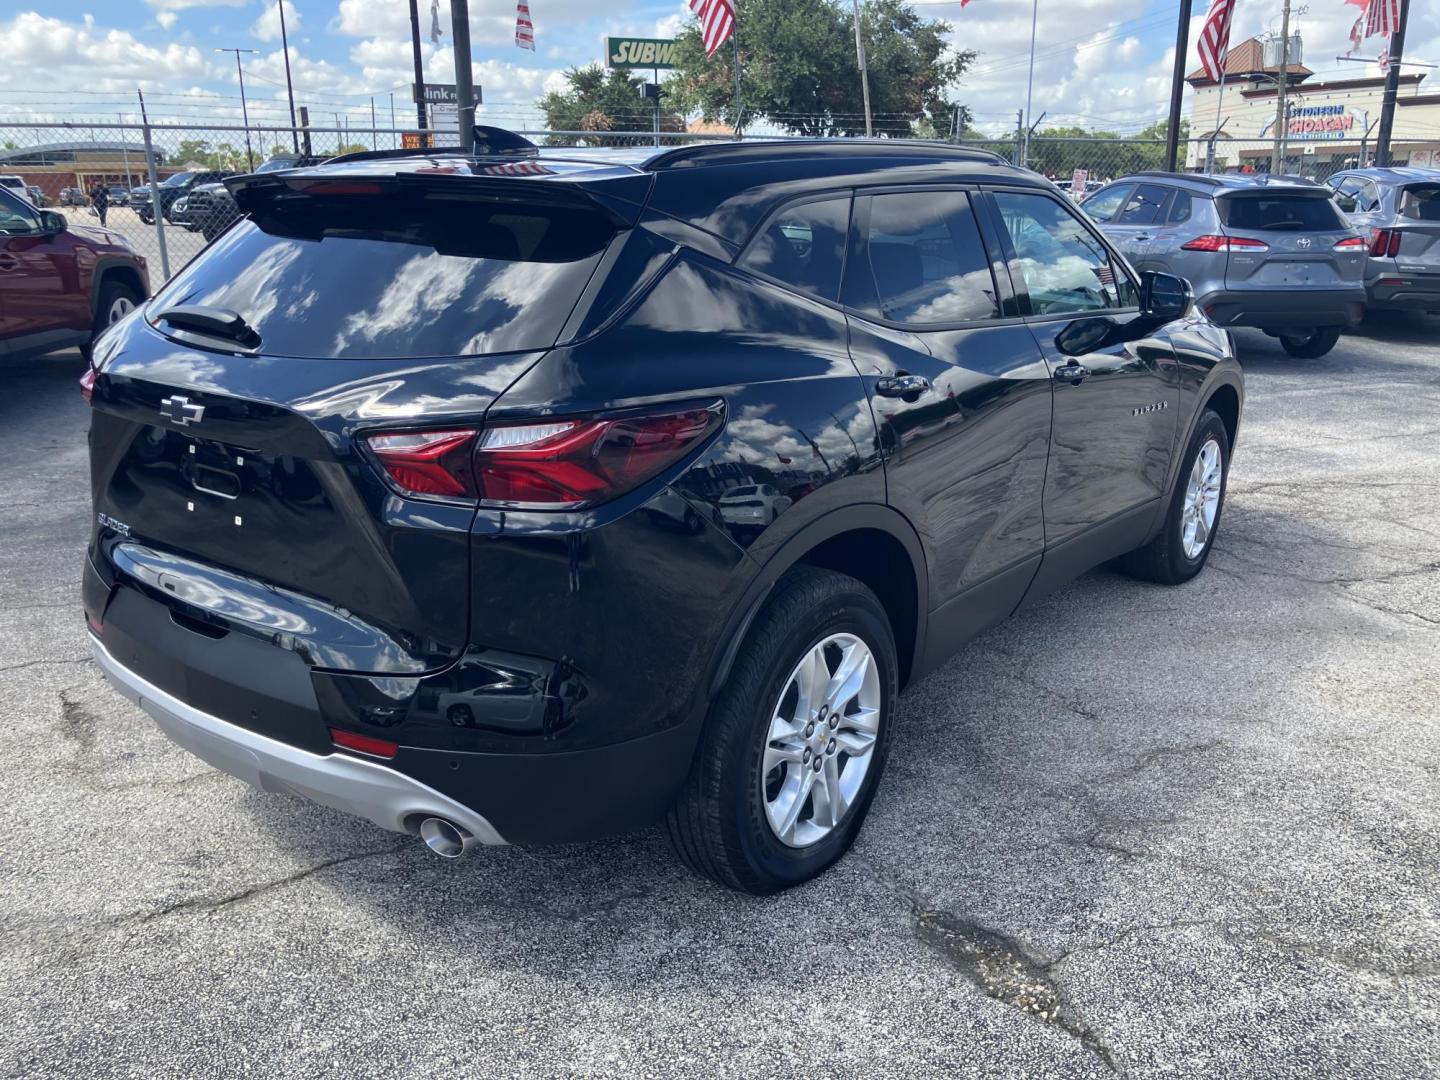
(1420, 202)
(1275, 212)
(397, 276)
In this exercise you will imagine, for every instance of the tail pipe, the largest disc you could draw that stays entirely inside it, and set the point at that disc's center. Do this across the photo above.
(445, 838)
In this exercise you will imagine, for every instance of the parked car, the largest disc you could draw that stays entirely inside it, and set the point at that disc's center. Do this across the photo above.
(119, 194)
(61, 284)
(170, 190)
(1398, 210)
(73, 196)
(1266, 252)
(16, 184)
(423, 430)
(753, 504)
(210, 207)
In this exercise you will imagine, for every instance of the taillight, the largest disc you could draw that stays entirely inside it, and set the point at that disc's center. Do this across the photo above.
(1213, 242)
(565, 464)
(364, 743)
(1385, 243)
(87, 383)
(429, 462)
(1350, 243)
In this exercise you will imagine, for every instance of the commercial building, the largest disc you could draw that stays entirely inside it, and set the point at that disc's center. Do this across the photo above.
(52, 166)
(1330, 124)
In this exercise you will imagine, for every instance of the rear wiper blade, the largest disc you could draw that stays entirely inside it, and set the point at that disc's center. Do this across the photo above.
(216, 322)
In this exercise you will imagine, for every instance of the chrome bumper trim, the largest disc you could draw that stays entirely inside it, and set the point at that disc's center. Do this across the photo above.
(364, 788)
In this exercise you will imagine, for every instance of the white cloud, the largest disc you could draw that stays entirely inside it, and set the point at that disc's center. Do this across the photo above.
(166, 19)
(181, 5)
(50, 54)
(267, 26)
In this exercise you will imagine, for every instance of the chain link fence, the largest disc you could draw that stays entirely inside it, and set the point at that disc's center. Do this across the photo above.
(158, 185)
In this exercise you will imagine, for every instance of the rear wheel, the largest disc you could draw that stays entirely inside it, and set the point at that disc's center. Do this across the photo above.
(117, 299)
(1178, 552)
(796, 740)
(1312, 345)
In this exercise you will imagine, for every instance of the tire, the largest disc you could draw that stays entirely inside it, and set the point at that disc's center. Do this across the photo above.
(1169, 558)
(721, 823)
(148, 219)
(1313, 345)
(115, 301)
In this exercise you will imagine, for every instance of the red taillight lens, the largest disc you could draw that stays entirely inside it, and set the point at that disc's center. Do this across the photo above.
(87, 383)
(429, 462)
(564, 464)
(364, 743)
(1212, 242)
(94, 622)
(1385, 243)
(1350, 243)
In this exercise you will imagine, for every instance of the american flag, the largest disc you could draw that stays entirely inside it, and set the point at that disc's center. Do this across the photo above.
(717, 22)
(1381, 17)
(524, 29)
(1215, 38)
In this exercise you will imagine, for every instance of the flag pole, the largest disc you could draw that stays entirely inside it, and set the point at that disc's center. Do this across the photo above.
(1024, 148)
(735, 42)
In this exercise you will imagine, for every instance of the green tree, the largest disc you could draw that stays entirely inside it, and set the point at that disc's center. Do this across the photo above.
(597, 100)
(351, 148)
(197, 150)
(799, 71)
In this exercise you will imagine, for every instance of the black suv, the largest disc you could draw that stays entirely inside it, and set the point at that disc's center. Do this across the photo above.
(170, 191)
(413, 491)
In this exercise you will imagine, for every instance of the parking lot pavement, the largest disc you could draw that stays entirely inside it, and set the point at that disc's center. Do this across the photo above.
(181, 244)
(1134, 831)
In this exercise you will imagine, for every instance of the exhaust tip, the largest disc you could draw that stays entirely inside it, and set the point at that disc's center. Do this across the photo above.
(445, 838)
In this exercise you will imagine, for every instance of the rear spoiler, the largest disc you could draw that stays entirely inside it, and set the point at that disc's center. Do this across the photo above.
(488, 141)
(620, 198)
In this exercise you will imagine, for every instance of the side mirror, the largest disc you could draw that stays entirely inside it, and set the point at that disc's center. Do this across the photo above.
(1165, 297)
(52, 222)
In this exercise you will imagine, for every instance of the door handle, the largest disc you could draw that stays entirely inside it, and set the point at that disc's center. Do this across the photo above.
(1138, 239)
(1072, 373)
(902, 385)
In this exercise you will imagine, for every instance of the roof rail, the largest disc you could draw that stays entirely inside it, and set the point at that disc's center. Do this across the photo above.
(884, 147)
(488, 140)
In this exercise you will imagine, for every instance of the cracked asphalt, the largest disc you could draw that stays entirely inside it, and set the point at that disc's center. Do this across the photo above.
(1135, 831)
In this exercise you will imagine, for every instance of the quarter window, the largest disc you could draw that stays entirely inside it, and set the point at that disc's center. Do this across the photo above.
(927, 261)
(1180, 207)
(1064, 265)
(803, 245)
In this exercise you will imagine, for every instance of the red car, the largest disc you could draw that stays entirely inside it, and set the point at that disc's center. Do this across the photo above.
(61, 284)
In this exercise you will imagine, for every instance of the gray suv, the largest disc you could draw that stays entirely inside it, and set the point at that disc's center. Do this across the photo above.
(1398, 210)
(1273, 253)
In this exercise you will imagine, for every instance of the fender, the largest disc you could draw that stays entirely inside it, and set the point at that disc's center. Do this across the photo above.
(1226, 376)
(105, 263)
(876, 516)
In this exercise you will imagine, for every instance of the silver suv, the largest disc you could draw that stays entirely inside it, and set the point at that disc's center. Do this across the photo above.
(1398, 210)
(1274, 253)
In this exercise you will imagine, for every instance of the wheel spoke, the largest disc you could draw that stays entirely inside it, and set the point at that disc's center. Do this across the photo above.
(830, 801)
(791, 802)
(855, 743)
(848, 678)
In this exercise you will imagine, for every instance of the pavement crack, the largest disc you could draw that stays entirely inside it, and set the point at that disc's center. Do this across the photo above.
(210, 905)
(38, 663)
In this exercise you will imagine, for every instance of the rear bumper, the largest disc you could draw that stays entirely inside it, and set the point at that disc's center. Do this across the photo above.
(1403, 292)
(1283, 308)
(341, 781)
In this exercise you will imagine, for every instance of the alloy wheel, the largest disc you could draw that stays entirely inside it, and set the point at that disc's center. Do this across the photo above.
(1202, 499)
(119, 308)
(820, 740)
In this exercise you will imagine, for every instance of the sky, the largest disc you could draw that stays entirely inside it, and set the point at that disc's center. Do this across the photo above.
(1101, 64)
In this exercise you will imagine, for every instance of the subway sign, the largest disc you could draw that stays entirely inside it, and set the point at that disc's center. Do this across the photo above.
(634, 52)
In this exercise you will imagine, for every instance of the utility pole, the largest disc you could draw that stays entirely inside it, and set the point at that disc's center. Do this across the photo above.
(244, 110)
(1019, 133)
(1023, 150)
(1277, 164)
(419, 67)
(1177, 84)
(393, 135)
(305, 129)
(464, 75)
(289, 86)
(1392, 88)
(864, 71)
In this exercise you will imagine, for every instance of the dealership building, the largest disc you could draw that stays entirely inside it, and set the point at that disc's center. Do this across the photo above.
(1330, 123)
(52, 166)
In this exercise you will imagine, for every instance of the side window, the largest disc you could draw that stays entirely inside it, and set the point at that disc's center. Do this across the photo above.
(15, 218)
(1146, 206)
(1180, 207)
(1064, 265)
(927, 260)
(1103, 204)
(803, 245)
(1367, 198)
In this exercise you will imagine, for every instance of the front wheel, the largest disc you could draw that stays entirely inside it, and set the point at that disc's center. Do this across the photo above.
(796, 740)
(1312, 345)
(1178, 552)
(116, 300)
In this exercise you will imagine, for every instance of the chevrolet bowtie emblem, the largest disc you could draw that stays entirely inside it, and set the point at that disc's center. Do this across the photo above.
(180, 410)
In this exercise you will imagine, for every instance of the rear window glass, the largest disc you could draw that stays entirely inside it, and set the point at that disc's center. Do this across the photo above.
(1291, 213)
(398, 276)
(1421, 203)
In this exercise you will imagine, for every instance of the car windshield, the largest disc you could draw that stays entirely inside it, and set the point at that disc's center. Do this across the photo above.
(179, 179)
(276, 163)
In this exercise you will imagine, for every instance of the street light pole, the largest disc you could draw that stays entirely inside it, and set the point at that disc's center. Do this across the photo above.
(289, 86)
(1024, 148)
(864, 71)
(244, 109)
(464, 74)
(1177, 87)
